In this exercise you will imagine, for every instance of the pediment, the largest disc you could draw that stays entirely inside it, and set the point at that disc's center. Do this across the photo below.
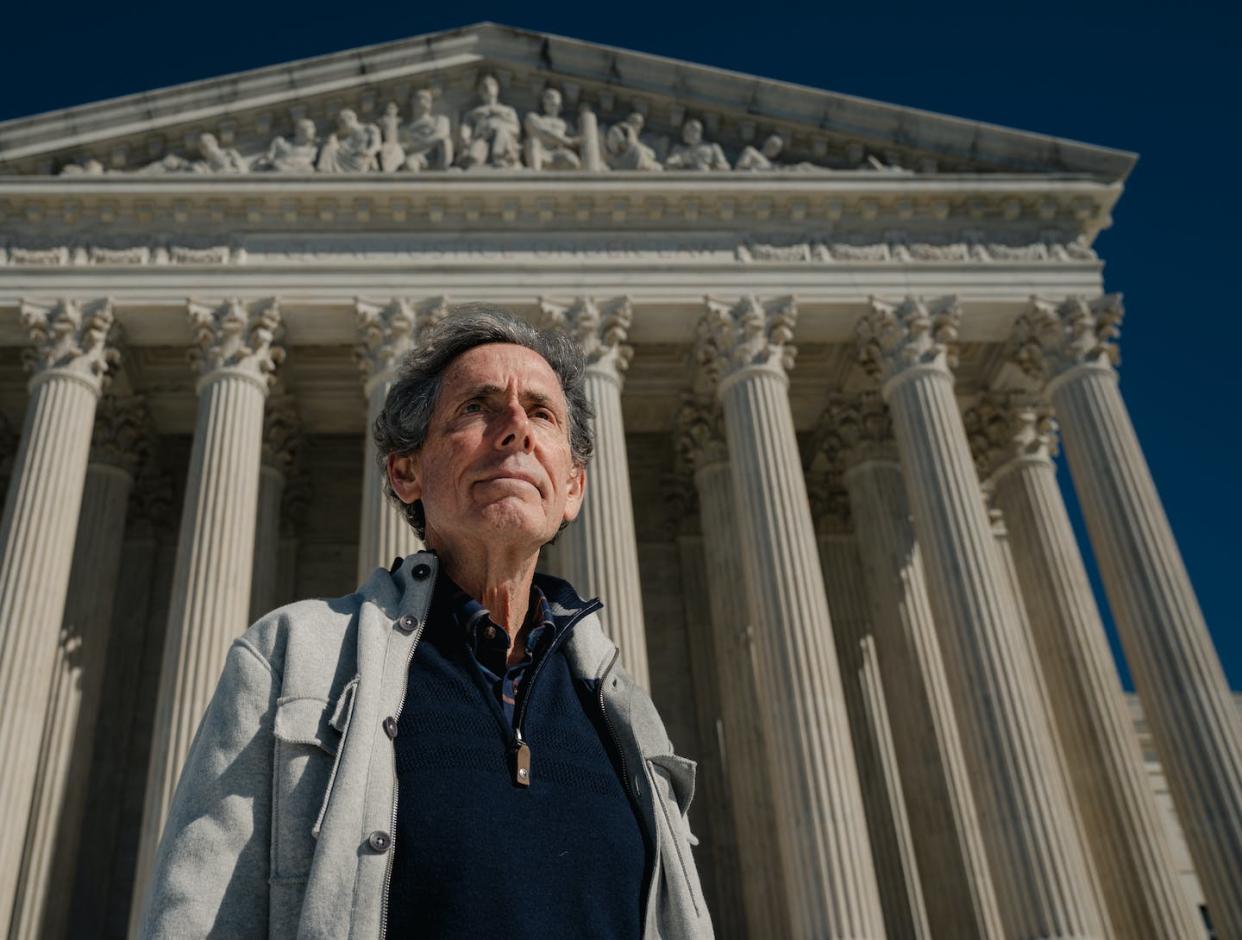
(622, 111)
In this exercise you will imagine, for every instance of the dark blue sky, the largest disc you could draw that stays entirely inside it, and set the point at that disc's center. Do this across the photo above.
(1159, 80)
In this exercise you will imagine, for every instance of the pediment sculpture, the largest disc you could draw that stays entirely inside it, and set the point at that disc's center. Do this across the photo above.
(490, 132)
(354, 148)
(487, 134)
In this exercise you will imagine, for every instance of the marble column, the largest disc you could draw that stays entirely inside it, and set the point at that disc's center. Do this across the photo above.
(598, 553)
(1039, 867)
(829, 876)
(236, 352)
(888, 822)
(701, 446)
(54, 824)
(856, 435)
(1069, 349)
(387, 334)
(97, 876)
(713, 797)
(282, 438)
(71, 352)
(1014, 437)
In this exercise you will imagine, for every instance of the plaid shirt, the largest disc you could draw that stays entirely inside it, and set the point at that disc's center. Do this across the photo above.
(489, 643)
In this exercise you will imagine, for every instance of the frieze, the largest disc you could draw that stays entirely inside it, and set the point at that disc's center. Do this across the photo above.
(749, 252)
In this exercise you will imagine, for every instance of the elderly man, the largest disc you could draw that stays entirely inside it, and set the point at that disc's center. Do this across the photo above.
(453, 750)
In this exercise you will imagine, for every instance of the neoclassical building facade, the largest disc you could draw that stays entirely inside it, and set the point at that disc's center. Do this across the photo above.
(834, 348)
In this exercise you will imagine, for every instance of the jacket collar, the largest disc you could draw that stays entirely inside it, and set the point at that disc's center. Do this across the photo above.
(398, 594)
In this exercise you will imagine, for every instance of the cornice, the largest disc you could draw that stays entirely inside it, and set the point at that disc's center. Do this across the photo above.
(578, 201)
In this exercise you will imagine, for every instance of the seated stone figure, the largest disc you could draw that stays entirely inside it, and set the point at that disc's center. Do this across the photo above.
(694, 153)
(764, 158)
(549, 142)
(295, 155)
(490, 132)
(624, 148)
(428, 143)
(391, 154)
(353, 148)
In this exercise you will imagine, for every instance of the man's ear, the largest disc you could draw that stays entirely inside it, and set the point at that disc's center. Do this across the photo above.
(575, 492)
(403, 477)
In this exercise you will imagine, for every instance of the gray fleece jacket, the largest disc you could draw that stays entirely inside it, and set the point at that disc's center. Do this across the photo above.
(279, 823)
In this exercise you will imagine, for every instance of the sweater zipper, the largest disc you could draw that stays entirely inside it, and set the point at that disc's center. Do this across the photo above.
(396, 789)
(521, 748)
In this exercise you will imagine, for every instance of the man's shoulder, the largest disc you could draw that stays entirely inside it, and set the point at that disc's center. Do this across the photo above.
(310, 631)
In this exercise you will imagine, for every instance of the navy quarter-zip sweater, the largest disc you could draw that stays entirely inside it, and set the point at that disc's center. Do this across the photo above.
(478, 855)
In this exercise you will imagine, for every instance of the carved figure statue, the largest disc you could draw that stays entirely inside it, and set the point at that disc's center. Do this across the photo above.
(765, 157)
(429, 145)
(392, 154)
(549, 142)
(353, 148)
(625, 149)
(296, 155)
(694, 153)
(215, 159)
(490, 132)
(89, 167)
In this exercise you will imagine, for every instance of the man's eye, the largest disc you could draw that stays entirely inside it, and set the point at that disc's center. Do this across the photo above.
(472, 407)
(543, 414)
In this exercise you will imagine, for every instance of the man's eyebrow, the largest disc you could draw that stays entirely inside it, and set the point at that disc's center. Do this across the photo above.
(488, 391)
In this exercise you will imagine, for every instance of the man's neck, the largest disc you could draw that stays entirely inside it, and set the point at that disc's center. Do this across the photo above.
(501, 583)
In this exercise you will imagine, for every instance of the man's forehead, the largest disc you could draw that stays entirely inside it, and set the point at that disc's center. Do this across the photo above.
(496, 364)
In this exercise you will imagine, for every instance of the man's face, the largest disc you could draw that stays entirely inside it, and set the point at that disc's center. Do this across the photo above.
(489, 90)
(422, 104)
(496, 463)
(692, 132)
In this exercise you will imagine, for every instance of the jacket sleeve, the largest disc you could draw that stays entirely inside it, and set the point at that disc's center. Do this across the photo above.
(210, 876)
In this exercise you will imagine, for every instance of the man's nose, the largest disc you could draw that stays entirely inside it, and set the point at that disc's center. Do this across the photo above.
(514, 429)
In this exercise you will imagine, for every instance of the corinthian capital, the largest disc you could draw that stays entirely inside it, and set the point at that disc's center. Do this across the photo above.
(600, 331)
(122, 436)
(389, 331)
(747, 335)
(71, 337)
(1052, 338)
(699, 432)
(236, 337)
(895, 337)
(1009, 426)
(282, 433)
(854, 428)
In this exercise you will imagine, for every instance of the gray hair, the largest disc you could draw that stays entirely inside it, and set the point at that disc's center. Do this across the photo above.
(401, 427)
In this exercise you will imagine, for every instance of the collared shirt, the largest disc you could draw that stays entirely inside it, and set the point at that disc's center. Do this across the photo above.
(489, 643)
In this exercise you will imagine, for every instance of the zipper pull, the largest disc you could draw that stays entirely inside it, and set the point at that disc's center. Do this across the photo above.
(521, 761)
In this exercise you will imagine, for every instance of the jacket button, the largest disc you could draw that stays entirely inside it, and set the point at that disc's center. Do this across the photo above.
(379, 841)
(390, 727)
(421, 571)
(407, 624)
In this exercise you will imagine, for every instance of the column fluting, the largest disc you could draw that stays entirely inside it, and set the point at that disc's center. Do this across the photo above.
(888, 823)
(1014, 436)
(71, 352)
(856, 435)
(1039, 868)
(701, 441)
(1070, 348)
(236, 352)
(829, 876)
(282, 438)
(598, 552)
(387, 334)
(118, 445)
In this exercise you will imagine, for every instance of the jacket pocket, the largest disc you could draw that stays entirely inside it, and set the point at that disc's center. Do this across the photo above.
(310, 735)
(673, 780)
